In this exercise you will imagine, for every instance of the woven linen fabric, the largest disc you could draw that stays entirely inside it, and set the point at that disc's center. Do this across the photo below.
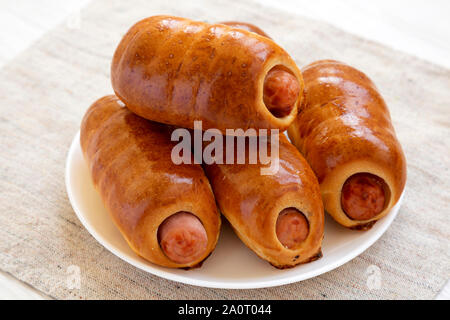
(45, 91)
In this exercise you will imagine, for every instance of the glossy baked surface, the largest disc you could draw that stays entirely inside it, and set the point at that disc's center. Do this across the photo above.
(246, 26)
(344, 116)
(231, 265)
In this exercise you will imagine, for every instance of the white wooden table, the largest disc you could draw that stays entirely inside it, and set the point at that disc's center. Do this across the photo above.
(418, 27)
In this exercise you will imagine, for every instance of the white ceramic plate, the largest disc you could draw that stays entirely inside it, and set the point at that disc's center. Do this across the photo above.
(232, 265)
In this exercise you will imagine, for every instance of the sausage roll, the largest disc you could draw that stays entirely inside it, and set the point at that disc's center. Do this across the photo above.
(166, 212)
(174, 71)
(279, 216)
(344, 130)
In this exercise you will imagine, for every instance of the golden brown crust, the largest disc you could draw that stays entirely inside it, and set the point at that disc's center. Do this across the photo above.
(252, 202)
(174, 71)
(344, 128)
(246, 26)
(130, 162)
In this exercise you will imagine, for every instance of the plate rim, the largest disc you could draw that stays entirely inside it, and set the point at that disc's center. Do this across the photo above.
(218, 284)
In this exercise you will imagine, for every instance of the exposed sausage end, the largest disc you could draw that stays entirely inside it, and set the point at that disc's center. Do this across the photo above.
(182, 237)
(363, 196)
(292, 227)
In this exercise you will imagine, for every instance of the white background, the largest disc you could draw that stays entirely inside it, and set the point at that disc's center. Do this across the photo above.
(418, 27)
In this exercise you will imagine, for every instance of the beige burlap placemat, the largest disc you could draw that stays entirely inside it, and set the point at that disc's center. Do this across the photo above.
(45, 91)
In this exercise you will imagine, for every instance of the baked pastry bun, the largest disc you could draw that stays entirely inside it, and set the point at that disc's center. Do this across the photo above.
(345, 132)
